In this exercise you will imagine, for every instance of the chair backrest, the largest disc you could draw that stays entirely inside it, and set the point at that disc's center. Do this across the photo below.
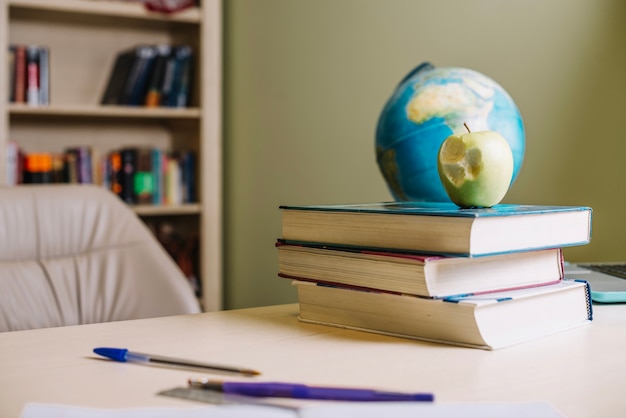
(76, 254)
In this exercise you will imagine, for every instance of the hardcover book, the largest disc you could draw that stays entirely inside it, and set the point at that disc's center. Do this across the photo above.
(177, 77)
(19, 89)
(439, 228)
(143, 180)
(492, 321)
(136, 85)
(419, 274)
(44, 76)
(32, 75)
(118, 77)
(128, 160)
(153, 94)
(11, 72)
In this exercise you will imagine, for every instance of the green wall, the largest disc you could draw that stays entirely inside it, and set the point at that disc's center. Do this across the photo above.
(306, 80)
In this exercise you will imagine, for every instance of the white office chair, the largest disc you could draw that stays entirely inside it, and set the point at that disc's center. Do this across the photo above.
(75, 254)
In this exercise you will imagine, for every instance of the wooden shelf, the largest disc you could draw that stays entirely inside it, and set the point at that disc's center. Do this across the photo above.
(160, 210)
(112, 8)
(106, 111)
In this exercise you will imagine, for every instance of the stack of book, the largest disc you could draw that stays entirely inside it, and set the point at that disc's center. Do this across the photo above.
(485, 278)
(151, 76)
(28, 67)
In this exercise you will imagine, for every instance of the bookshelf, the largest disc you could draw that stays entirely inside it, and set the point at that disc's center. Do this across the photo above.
(83, 37)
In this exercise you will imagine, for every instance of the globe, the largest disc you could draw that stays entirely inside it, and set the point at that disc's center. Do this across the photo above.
(429, 105)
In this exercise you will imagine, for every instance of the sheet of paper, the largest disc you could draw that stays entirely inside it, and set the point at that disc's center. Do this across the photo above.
(330, 410)
(432, 410)
(40, 410)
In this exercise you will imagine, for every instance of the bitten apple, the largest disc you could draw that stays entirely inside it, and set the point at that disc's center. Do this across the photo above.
(475, 168)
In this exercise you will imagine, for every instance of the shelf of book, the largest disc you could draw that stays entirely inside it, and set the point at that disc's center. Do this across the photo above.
(83, 38)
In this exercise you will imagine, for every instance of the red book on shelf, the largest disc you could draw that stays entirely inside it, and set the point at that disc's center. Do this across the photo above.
(20, 74)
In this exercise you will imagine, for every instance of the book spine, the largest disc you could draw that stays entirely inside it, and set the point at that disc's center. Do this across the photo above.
(85, 165)
(115, 172)
(20, 74)
(11, 72)
(32, 75)
(143, 180)
(184, 85)
(153, 94)
(128, 158)
(188, 166)
(57, 168)
(38, 168)
(12, 165)
(44, 76)
(173, 191)
(168, 80)
(70, 168)
(182, 61)
(118, 78)
(157, 173)
(135, 89)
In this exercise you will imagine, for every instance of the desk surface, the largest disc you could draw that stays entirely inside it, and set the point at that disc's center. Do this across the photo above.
(581, 371)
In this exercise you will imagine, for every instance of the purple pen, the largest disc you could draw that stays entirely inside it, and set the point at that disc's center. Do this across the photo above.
(300, 391)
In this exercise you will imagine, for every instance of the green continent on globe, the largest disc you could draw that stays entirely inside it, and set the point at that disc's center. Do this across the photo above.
(389, 168)
(451, 102)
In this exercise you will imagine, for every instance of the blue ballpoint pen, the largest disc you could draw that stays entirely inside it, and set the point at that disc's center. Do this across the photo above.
(300, 391)
(122, 354)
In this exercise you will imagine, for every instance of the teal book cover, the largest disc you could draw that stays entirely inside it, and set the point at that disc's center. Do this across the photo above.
(439, 228)
(439, 209)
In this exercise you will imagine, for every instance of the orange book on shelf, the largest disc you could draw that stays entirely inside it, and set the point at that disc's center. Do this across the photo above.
(38, 168)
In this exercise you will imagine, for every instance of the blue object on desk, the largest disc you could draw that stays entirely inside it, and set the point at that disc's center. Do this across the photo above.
(123, 355)
(300, 391)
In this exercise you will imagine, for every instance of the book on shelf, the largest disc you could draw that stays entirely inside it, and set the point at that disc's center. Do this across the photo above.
(19, 87)
(136, 85)
(28, 67)
(173, 180)
(418, 274)
(177, 77)
(11, 72)
(150, 76)
(32, 75)
(154, 90)
(37, 168)
(14, 168)
(78, 162)
(117, 77)
(188, 175)
(439, 228)
(44, 76)
(178, 95)
(488, 321)
(128, 158)
(159, 158)
(143, 180)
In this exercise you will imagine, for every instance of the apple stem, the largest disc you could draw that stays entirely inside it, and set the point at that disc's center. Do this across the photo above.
(467, 127)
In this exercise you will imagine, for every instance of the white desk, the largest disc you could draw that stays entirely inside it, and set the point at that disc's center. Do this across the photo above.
(582, 372)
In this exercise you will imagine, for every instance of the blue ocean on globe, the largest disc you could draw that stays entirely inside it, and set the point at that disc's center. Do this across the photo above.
(429, 105)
